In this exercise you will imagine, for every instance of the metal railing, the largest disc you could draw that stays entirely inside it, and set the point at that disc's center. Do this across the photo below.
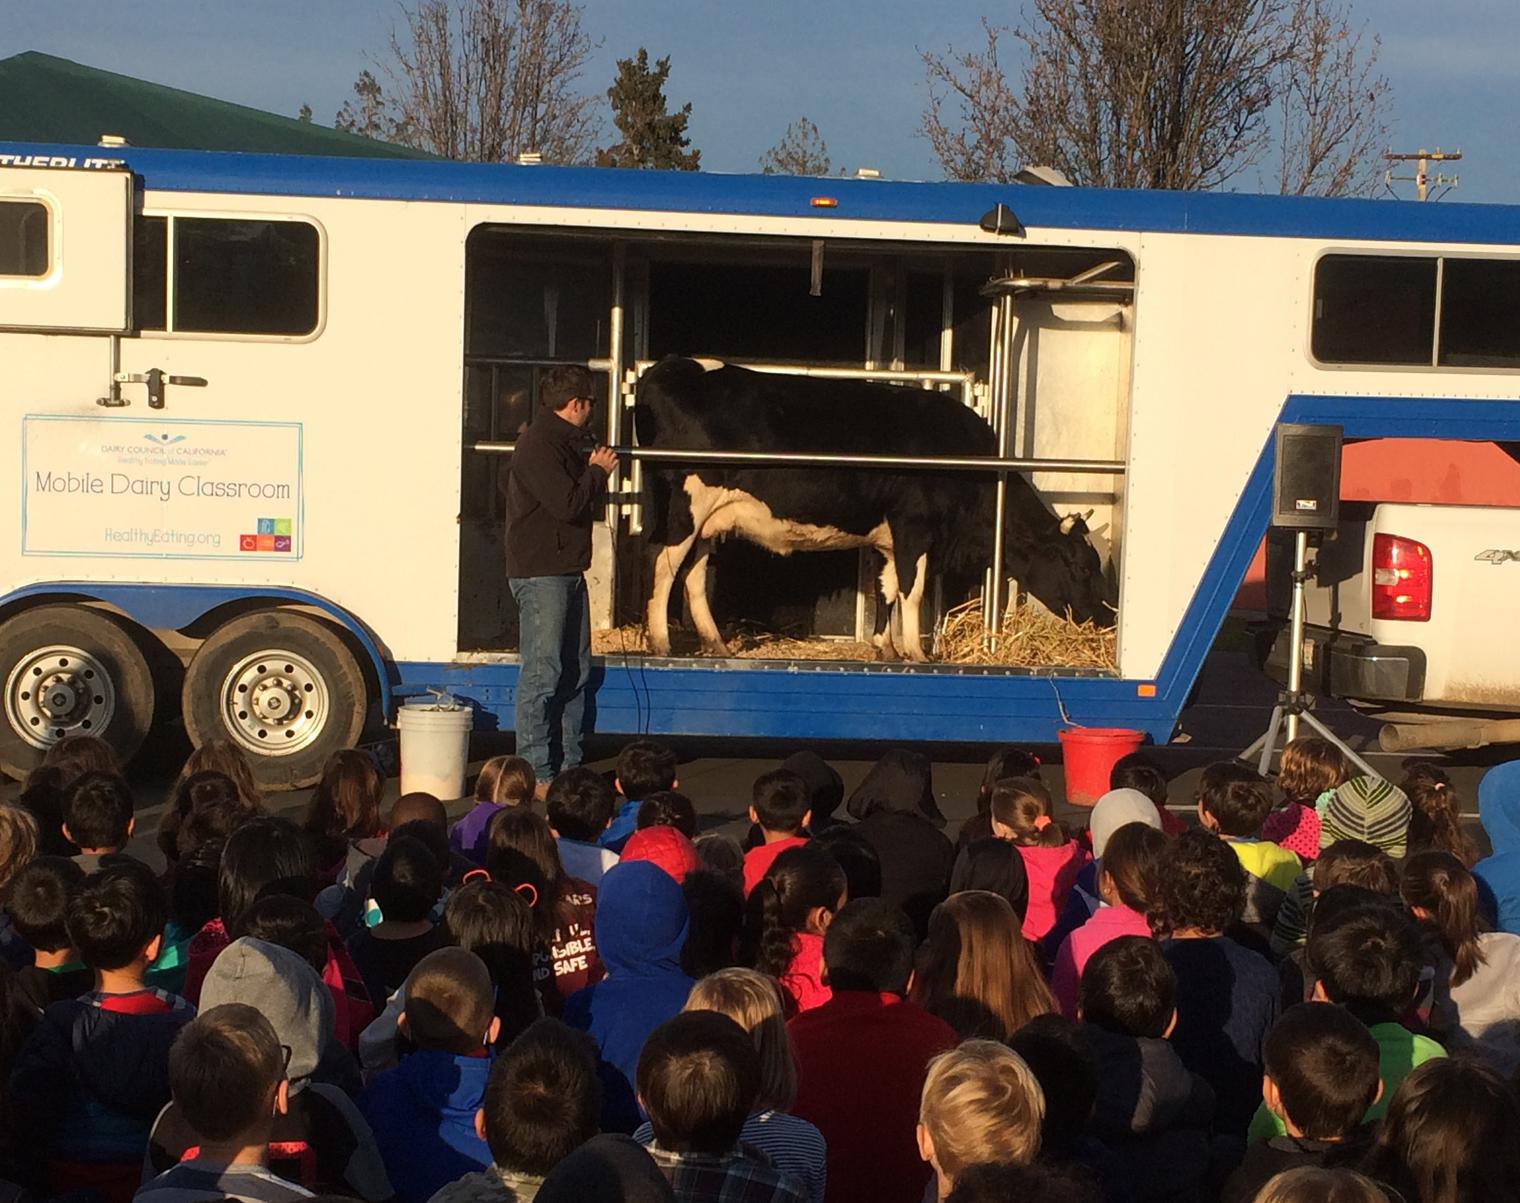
(953, 463)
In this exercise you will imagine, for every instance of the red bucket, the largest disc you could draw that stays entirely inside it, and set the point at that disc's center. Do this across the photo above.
(1090, 754)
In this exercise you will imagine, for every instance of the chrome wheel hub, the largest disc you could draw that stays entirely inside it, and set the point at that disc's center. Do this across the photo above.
(58, 691)
(274, 702)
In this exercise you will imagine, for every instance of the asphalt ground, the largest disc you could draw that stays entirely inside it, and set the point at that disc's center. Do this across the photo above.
(1231, 706)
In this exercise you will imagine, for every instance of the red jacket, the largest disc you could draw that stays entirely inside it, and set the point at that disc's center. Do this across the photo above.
(758, 860)
(861, 1062)
(802, 983)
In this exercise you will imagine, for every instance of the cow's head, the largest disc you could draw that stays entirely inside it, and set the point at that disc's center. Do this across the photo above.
(1062, 571)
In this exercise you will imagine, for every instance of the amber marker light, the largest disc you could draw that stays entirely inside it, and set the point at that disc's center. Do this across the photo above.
(824, 202)
(1147, 690)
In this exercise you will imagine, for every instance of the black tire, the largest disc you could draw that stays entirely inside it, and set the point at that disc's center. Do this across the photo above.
(109, 683)
(288, 659)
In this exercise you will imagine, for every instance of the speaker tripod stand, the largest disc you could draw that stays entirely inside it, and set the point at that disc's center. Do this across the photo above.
(1295, 704)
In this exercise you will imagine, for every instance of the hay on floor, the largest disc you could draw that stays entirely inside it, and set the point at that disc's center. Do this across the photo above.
(1031, 637)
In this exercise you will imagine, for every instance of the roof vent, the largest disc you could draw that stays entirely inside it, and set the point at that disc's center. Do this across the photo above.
(867, 173)
(1042, 175)
(530, 158)
(112, 140)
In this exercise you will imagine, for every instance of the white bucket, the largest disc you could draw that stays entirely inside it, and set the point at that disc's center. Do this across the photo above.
(435, 748)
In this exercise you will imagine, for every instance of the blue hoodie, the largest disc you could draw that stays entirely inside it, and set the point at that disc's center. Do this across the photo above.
(1499, 875)
(423, 1117)
(641, 923)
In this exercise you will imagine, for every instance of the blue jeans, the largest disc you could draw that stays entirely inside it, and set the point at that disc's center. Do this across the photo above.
(555, 643)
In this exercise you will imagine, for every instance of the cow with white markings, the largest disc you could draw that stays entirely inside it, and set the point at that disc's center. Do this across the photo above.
(922, 523)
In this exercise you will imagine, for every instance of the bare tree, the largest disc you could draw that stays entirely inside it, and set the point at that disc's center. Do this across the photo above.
(801, 151)
(1143, 94)
(491, 79)
(1333, 107)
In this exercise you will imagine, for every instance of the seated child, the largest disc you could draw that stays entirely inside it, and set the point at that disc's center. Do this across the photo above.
(1345, 862)
(97, 817)
(644, 768)
(981, 1105)
(423, 1112)
(1233, 802)
(1310, 767)
(580, 803)
(1368, 959)
(698, 1076)
(227, 1073)
(319, 1141)
(1150, 1110)
(668, 808)
(1227, 995)
(1321, 1077)
(789, 911)
(503, 781)
(407, 884)
(1139, 772)
(36, 902)
(95, 1071)
(1126, 881)
(779, 806)
(541, 1103)
(1022, 813)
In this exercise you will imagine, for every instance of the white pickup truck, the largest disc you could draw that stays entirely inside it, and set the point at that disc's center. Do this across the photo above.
(1413, 614)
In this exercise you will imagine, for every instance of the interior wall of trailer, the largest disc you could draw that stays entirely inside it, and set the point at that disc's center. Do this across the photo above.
(534, 299)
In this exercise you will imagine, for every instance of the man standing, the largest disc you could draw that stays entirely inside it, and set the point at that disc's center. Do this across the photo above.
(557, 478)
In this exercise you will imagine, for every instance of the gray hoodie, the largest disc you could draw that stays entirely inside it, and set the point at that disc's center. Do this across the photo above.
(286, 990)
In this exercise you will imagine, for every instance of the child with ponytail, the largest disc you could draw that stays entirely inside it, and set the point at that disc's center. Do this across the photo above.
(1436, 822)
(790, 909)
(1021, 813)
(1477, 986)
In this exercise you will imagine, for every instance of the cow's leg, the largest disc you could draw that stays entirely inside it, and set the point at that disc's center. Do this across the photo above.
(696, 600)
(912, 607)
(886, 649)
(667, 562)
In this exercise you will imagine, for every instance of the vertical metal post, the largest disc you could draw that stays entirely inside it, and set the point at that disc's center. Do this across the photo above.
(1296, 632)
(1003, 397)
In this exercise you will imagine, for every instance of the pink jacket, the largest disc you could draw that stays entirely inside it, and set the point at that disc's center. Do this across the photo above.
(1108, 923)
(1051, 872)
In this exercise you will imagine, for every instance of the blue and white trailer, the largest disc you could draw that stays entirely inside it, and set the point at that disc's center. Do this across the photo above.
(259, 402)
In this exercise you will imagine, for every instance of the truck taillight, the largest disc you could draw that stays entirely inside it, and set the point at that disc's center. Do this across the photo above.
(1401, 579)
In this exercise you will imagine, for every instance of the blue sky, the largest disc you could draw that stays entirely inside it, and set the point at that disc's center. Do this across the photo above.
(751, 68)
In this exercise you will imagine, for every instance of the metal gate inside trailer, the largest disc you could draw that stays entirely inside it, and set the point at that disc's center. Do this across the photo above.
(1036, 341)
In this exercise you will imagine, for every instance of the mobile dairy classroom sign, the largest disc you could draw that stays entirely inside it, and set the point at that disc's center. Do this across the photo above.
(160, 489)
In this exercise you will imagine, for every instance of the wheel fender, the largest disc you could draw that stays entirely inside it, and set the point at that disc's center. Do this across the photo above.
(175, 607)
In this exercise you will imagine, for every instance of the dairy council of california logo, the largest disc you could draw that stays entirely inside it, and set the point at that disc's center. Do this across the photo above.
(164, 440)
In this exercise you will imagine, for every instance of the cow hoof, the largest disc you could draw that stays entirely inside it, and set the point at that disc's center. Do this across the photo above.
(886, 652)
(718, 649)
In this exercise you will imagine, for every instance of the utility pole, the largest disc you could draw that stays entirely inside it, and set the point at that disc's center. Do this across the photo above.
(1422, 178)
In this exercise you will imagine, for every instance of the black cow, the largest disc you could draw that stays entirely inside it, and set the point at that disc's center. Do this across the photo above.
(921, 522)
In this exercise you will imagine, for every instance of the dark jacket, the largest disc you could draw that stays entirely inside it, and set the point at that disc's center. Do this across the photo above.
(900, 819)
(94, 1073)
(551, 500)
(423, 1116)
(1268, 1158)
(1153, 1114)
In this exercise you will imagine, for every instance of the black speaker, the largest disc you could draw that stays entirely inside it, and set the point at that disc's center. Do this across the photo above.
(1306, 488)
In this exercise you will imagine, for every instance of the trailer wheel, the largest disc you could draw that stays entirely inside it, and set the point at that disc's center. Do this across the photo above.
(283, 687)
(70, 670)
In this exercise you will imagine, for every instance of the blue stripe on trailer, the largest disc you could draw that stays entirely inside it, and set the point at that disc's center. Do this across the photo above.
(786, 196)
(801, 702)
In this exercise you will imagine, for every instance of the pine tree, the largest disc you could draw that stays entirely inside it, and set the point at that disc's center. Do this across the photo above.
(304, 114)
(652, 136)
(801, 151)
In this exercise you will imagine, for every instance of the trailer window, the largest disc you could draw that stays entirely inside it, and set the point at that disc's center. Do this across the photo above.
(1479, 302)
(23, 238)
(1374, 309)
(245, 277)
(150, 271)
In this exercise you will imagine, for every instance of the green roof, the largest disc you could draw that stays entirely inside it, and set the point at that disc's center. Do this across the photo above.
(47, 99)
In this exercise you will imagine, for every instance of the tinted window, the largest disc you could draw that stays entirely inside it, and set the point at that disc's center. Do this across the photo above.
(150, 265)
(1370, 309)
(1480, 313)
(244, 277)
(23, 238)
